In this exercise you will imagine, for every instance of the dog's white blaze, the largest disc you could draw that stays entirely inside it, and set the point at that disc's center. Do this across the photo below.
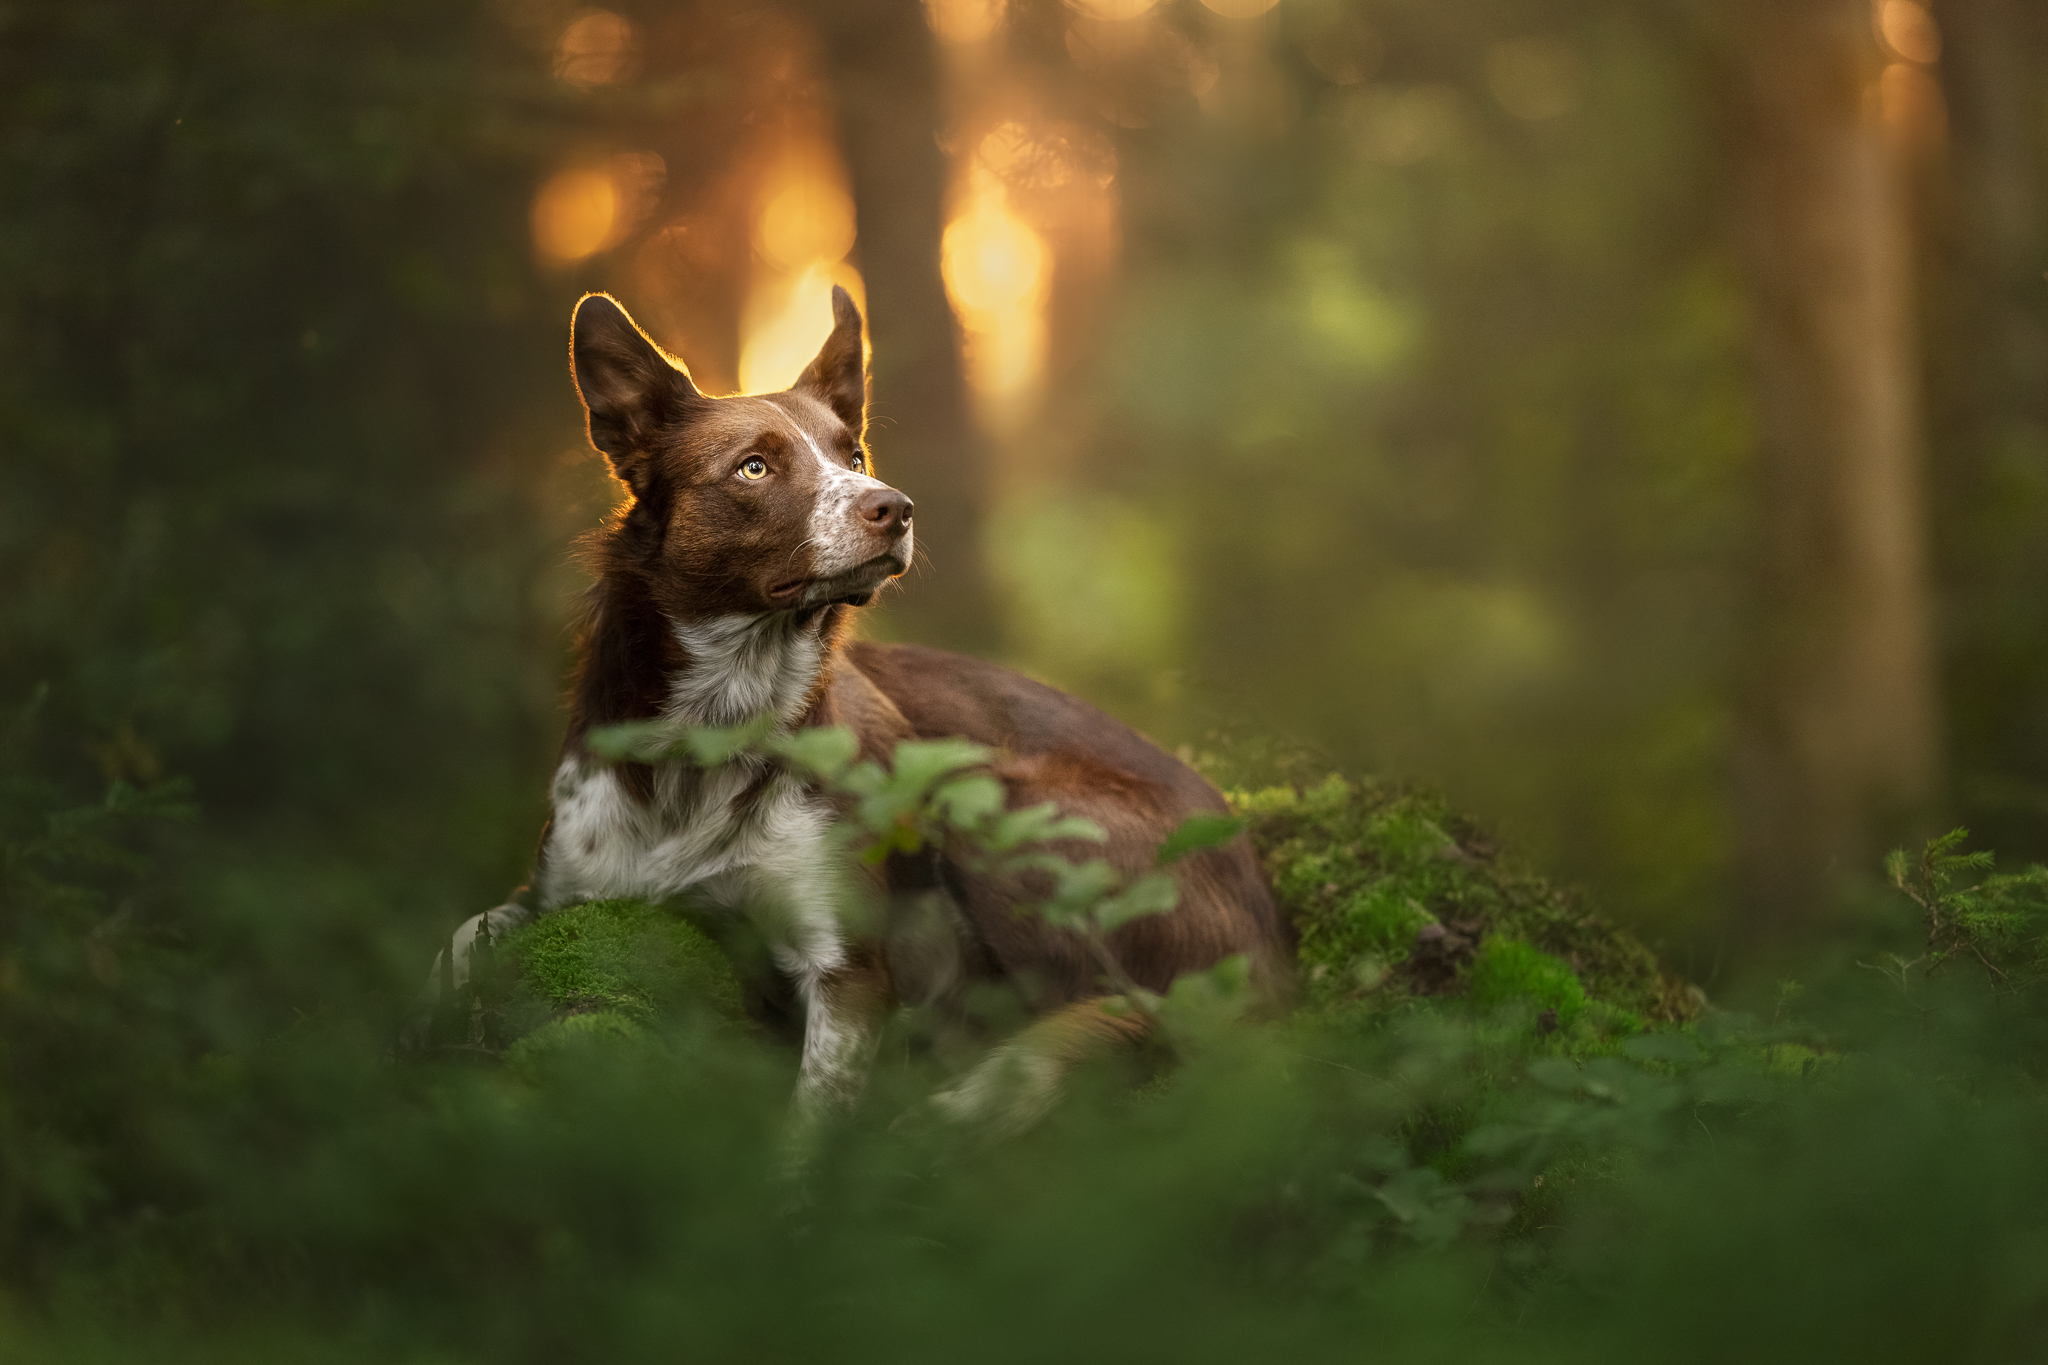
(840, 542)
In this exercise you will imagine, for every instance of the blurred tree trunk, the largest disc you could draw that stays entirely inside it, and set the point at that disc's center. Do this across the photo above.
(883, 60)
(1839, 732)
(1988, 351)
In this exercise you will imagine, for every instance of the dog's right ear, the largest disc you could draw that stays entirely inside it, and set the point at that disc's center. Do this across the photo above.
(632, 390)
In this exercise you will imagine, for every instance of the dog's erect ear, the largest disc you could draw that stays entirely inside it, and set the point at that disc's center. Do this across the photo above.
(839, 374)
(630, 388)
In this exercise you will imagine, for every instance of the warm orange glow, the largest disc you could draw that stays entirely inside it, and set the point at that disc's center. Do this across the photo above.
(1113, 9)
(996, 270)
(803, 228)
(964, 21)
(805, 217)
(585, 209)
(1914, 111)
(993, 261)
(1909, 30)
(787, 321)
(576, 214)
(594, 48)
(1240, 9)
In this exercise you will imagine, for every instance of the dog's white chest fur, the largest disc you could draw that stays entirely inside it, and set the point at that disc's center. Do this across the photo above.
(739, 835)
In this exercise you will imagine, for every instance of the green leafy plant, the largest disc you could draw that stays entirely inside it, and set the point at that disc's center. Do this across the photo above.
(1999, 921)
(944, 792)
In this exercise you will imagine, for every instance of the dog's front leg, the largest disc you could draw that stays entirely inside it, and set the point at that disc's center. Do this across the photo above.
(843, 1011)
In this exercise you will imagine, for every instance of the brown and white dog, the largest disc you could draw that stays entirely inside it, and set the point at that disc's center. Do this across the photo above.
(723, 588)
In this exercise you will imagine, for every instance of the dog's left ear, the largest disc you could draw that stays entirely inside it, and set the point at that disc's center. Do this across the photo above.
(839, 374)
(632, 391)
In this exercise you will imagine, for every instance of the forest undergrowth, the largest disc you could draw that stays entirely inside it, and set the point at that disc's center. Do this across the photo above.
(1493, 1126)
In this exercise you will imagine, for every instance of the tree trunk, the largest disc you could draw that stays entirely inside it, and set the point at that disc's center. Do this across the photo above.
(1988, 330)
(1839, 733)
(882, 59)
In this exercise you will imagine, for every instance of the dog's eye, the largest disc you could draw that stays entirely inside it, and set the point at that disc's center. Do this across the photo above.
(754, 468)
(860, 461)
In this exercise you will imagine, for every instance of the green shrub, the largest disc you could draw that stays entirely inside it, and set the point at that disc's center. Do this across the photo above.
(1393, 895)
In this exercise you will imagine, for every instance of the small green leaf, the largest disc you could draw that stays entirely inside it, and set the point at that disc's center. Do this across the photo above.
(637, 741)
(918, 764)
(1153, 895)
(715, 747)
(1203, 829)
(823, 753)
(1895, 866)
(966, 803)
(1040, 824)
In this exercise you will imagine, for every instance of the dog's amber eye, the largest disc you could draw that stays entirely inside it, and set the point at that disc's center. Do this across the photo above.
(860, 461)
(754, 468)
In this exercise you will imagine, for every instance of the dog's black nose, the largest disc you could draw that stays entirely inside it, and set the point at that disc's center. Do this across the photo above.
(886, 512)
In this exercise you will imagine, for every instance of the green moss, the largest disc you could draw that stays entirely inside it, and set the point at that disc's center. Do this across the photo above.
(1508, 969)
(624, 959)
(1394, 895)
(558, 1040)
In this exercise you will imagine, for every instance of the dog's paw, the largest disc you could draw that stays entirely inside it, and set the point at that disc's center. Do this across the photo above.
(451, 964)
(448, 975)
(1006, 1094)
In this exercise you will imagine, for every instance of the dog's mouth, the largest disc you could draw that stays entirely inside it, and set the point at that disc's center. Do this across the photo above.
(854, 586)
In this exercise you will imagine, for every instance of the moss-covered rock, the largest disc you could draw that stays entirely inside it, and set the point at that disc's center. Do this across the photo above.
(625, 956)
(1394, 895)
(599, 971)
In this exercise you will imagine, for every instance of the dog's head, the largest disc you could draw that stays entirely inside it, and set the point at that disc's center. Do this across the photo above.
(751, 504)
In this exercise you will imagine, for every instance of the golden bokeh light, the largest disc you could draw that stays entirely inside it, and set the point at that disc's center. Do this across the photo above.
(1909, 30)
(964, 21)
(1113, 9)
(996, 269)
(576, 214)
(787, 321)
(1914, 111)
(803, 227)
(594, 48)
(805, 216)
(583, 210)
(993, 262)
(1240, 9)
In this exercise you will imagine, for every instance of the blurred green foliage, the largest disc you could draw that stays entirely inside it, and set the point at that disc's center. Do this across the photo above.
(1426, 1181)
(1420, 434)
(277, 376)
